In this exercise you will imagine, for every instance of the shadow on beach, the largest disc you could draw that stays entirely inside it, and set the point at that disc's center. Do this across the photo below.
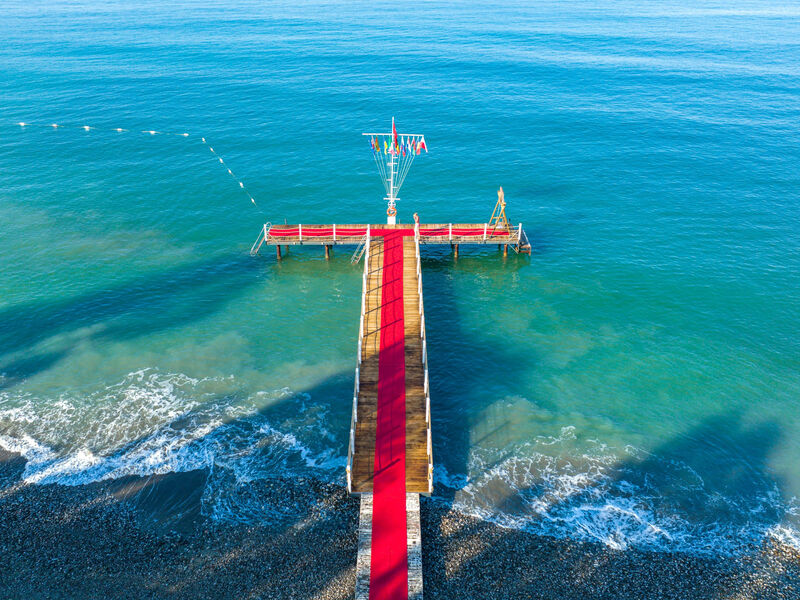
(147, 537)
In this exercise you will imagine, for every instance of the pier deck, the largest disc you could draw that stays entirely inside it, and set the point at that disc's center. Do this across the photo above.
(391, 330)
(389, 457)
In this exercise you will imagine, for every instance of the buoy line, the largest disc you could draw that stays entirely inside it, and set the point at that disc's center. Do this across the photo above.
(152, 132)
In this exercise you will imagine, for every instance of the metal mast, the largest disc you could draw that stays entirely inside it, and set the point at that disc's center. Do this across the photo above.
(394, 152)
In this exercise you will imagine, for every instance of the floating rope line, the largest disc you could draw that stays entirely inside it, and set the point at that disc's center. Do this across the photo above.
(228, 169)
(24, 124)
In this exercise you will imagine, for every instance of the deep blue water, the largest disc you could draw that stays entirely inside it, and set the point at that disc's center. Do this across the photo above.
(634, 381)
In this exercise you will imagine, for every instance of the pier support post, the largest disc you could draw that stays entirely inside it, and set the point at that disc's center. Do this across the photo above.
(278, 251)
(327, 252)
(505, 250)
(455, 250)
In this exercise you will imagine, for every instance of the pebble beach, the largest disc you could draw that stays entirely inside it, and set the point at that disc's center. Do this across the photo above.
(142, 538)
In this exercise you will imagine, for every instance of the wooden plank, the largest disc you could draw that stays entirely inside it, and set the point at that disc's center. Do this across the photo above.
(364, 456)
(416, 426)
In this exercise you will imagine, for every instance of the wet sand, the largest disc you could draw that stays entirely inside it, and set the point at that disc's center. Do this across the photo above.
(147, 538)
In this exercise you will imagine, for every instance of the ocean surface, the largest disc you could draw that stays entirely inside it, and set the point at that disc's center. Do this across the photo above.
(636, 380)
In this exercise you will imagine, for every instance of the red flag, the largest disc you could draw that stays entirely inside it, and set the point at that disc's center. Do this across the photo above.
(394, 133)
(423, 146)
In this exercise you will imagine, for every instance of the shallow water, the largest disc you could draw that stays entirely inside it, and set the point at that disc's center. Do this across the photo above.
(634, 381)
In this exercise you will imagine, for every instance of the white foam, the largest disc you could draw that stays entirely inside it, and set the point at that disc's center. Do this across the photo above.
(155, 423)
(785, 535)
(587, 498)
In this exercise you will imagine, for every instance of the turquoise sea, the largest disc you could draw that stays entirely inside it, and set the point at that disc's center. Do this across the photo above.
(634, 381)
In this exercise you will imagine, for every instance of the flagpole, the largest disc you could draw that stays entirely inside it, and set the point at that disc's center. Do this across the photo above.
(397, 146)
(391, 219)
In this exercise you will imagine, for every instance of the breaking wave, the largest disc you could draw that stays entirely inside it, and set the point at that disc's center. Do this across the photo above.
(593, 498)
(153, 423)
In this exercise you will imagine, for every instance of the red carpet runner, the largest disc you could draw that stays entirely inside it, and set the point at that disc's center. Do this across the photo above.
(389, 558)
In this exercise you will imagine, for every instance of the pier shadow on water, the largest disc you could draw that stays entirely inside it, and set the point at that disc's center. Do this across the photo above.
(465, 361)
(719, 490)
(139, 306)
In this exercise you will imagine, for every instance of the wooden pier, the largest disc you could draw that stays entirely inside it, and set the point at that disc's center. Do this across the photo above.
(392, 298)
(390, 458)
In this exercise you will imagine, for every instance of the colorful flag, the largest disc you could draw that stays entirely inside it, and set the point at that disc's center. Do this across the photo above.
(423, 146)
(385, 149)
(394, 133)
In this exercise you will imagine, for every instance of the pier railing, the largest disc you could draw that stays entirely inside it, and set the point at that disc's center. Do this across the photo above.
(426, 384)
(428, 233)
(262, 237)
(351, 449)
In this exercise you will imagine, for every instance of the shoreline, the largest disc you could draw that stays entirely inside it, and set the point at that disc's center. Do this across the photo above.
(146, 538)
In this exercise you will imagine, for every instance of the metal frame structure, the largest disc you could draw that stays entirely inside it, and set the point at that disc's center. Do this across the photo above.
(393, 173)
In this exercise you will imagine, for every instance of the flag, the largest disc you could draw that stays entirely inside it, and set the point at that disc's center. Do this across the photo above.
(394, 133)
(422, 145)
(385, 148)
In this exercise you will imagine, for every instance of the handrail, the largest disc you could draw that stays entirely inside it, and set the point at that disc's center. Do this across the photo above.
(359, 251)
(262, 237)
(351, 446)
(426, 385)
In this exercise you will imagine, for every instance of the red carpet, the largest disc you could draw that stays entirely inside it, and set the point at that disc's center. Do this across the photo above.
(389, 558)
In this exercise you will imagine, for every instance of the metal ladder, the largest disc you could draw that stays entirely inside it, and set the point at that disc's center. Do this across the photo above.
(362, 246)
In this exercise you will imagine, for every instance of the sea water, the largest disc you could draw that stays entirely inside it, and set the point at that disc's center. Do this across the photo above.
(634, 381)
